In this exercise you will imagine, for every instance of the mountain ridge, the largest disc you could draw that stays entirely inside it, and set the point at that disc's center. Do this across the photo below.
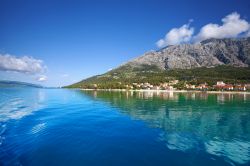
(211, 59)
(208, 53)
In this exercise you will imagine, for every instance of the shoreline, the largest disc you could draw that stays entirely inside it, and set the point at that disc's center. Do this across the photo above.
(168, 91)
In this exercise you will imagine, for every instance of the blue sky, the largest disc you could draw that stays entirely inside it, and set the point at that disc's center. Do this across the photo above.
(78, 39)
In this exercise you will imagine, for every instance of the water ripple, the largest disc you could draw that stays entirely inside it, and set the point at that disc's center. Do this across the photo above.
(237, 150)
(100, 128)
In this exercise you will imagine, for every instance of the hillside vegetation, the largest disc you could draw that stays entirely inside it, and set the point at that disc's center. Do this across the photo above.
(209, 61)
(126, 75)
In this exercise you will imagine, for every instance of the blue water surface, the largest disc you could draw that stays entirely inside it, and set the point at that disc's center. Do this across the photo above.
(43, 127)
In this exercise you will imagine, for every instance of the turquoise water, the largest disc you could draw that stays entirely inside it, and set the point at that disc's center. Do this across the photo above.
(72, 127)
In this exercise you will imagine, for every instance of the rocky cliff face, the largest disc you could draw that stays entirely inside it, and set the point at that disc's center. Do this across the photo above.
(208, 53)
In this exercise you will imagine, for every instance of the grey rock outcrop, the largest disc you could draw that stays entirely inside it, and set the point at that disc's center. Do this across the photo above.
(208, 53)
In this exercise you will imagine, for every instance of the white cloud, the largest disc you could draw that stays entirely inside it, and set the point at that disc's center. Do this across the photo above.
(177, 36)
(42, 78)
(248, 33)
(23, 64)
(232, 26)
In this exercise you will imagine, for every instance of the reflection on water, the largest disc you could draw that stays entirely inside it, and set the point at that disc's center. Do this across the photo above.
(16, 107)
(236, 150)
(72, 127)
(217, 124)
(37, 128)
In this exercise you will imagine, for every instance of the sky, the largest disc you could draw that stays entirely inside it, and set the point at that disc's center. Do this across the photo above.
(59, 42)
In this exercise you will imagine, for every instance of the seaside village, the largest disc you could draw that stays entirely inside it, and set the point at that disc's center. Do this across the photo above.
(219, 86)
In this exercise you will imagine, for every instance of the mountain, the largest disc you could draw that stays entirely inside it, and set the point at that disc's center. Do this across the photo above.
(208, 53)
(209, 60)
(4, 83)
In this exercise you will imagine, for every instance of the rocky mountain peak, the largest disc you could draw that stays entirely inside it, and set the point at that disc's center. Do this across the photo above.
(208, 53)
